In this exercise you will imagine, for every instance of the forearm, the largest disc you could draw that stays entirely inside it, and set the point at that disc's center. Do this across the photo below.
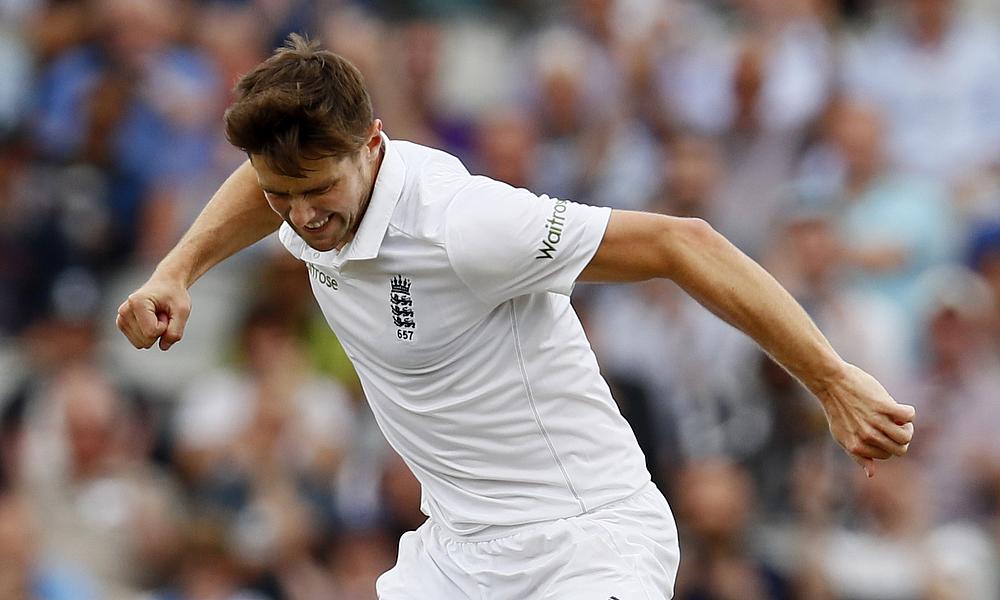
(738, 290)
(863, 417)
(236, 217)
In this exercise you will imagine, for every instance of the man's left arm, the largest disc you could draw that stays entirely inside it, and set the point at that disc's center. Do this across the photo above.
(863, 417)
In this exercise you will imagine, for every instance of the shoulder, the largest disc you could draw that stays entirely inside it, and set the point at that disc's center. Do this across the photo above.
(434, 183)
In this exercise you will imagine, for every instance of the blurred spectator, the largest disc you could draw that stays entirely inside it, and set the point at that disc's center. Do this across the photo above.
(206, 570)
(956, 392)
(896, 554)
(132, 106)
(110, 144)
(229, 38)
(984, 258)
(811, 263)
(693, 172)
(17, 277)
(103, 504)
(692, 366)
(418, 74)
(16, 62)
(892, 226)
(931, 69)
(758, 157)
(758, 89)
(715, 507)
(25, 574)
(591, 149)
(864, 328)
(685, 362)
(401, 496)
(507, 147)
(356, 561)
(273, 423)
(53, 238)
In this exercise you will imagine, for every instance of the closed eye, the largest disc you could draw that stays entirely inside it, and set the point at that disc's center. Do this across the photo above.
(276, 195)
(317, 191)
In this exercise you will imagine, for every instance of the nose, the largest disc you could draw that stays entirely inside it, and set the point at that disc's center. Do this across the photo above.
(300, 212)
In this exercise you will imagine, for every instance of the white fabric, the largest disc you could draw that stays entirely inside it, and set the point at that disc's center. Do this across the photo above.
(626, 550)
(486, 385)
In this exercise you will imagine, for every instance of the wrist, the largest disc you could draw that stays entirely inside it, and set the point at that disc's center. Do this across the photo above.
(174, 272)
(827, 376)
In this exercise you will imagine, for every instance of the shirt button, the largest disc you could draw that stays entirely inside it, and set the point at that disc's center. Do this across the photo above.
(315, 254)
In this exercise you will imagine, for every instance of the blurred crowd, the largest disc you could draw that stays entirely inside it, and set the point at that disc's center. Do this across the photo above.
(852, 147)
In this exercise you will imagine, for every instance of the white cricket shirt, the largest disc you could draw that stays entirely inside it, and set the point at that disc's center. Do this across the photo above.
(452, 301)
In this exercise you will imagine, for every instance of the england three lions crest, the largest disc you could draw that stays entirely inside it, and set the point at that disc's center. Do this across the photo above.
(401, 305)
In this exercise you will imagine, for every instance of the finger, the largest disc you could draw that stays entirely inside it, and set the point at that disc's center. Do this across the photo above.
(873, 436)
(123, 327)
(140, 339)
(901, 434)
(174, 330)
(150, 325)
(901, 413)
(865, 450)
(126, 324)
(143, 341)
(867, 464)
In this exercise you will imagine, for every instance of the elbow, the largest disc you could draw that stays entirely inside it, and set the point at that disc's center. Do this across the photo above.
(698, 231)
(690, 232)
(684, 240)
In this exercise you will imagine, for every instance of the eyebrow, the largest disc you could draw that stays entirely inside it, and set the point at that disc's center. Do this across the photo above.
(319, 188)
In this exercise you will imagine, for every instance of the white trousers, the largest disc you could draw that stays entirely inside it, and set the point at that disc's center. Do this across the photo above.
(626, 550)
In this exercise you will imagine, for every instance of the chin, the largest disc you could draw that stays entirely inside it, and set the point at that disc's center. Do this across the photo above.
(321, 246)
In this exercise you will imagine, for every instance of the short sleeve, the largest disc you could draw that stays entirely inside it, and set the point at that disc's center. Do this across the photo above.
(505, 242)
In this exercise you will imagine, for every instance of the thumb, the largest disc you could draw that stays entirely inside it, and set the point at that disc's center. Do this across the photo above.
(174, 325)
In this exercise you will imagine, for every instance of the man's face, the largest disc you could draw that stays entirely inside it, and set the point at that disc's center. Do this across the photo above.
(326, 205)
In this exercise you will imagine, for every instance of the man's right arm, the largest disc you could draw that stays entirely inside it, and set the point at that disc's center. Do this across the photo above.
(236, 217)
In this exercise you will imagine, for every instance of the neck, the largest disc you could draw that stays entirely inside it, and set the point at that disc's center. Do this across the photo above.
(376, 167)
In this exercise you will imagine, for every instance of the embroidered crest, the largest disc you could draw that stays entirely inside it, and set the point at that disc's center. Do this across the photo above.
(401, 304)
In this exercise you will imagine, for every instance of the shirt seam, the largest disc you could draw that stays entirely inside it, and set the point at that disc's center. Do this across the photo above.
(534, 408)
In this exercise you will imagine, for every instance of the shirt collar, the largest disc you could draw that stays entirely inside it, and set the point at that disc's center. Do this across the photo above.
(385, 196)
(368, 239)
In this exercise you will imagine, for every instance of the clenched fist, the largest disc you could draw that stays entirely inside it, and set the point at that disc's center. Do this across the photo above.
(156, 311)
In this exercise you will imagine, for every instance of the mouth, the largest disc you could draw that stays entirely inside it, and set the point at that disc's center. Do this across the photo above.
(317, 226)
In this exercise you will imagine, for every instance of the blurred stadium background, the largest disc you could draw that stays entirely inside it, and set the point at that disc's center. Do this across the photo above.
(851, 146)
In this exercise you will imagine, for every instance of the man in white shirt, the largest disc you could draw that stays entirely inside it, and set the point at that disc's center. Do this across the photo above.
(450, 294)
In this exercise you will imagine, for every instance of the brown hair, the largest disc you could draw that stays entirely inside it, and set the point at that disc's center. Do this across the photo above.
(301, 103)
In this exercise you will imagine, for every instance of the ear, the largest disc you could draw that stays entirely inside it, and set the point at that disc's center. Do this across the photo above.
(375, 136)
